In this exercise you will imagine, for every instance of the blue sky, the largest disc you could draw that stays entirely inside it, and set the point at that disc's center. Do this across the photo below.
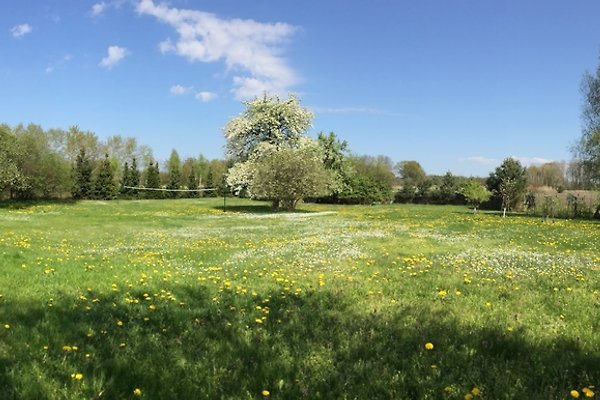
(456, 85)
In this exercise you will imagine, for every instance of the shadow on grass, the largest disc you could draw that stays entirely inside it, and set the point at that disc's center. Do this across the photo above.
(314, 346)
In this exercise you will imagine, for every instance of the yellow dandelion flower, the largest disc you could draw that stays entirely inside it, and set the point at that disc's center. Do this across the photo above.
(475, 391)
(468, 396)
(137, 392)
(6, 326)
(258, 321)
(119, 323)
(265, 393)
(77, 376)
(588, 392)
(574, 394)
(429, 346)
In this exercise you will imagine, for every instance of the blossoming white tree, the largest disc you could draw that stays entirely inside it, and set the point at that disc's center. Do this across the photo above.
(273, 157)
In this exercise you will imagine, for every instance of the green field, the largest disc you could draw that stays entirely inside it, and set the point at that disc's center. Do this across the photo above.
(183, 299)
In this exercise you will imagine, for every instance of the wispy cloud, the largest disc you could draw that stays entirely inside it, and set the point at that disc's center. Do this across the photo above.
(20, 30)
(527, 161)
(115, 54)
(480, 160)
(98, 9)
(247, 47)
(178, 90)
(352, 110)
(205, 96)
(59, 63)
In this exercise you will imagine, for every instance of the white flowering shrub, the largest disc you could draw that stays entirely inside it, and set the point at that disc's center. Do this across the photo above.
(274, 159)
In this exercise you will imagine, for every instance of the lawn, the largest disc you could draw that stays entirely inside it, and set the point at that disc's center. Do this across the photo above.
(185, 299)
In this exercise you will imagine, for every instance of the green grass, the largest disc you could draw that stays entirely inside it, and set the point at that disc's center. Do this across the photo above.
(184, 299)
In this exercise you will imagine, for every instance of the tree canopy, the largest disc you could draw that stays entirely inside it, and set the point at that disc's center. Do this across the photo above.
(273, 157)
(509, 183)
(475, 193)
(411, 172)
(266, 120)
(587, 149)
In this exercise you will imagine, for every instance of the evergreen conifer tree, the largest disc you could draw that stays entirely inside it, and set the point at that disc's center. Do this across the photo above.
(192, 184)
(174, 170)
(126, 180)
(210, 184)
(104, 186)
(82, 177)
(134, 178)
(134, 174)
(152, 177)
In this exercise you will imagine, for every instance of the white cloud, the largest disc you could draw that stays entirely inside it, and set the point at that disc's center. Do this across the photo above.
(115, 54)
(98, 8)
(482, 160)
(527, 161)
(206, 96)
(59, 63)
(21, 30)
(178, 90)
(353, 110)
(244, 45)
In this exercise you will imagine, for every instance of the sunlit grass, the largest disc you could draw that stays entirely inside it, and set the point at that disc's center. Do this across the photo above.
(186, 299)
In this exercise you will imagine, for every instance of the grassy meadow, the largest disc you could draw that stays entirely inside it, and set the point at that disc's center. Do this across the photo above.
(182, 299)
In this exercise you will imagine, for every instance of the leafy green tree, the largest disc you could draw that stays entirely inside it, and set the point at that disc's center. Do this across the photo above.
(152, 181)
(371, 180)
(411, 172)
(45, 173)
(192, 183)
(126, 180)
(285, 175)
(508, 183)
(217, 171)
(336, 160)
(104, 185)
(202, 170)
(587, 150)
(413, 179)
(75, 139)
(11, 177)
(82, 176)
(448, 188)
(174, 171)
(474, 193)
(134, 177)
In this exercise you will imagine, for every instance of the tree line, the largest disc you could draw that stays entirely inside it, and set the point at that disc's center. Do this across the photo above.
(61, 164)
(270, 156)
